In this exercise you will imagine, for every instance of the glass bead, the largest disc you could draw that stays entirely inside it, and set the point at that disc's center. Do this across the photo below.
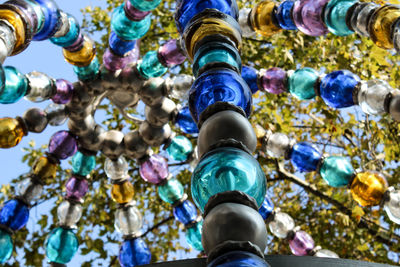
(44, 169)
(8, 38)
(120, 46)
(325, 253)
(266, 209)
(56, 114)
(180, 148)
(69, 213)
(336, 171)
(64, 92)
(305, 157)
(284, 15)
(302, 83)
(361, 18)
(281, 225)
(250, 75)
(396, 36)
(16, 86)
(185, 121)
(122, 193)
(116, 169)
(307, 15)
(19, 29)
(244, 22)
(193, 236)
(154, 170)
(63, 25)
(41, 87)
(11, 132)
(151, 67)
(278, 145)
(185, 212)
(145, 5)
(227, 169)
(171, 191)
(134, 252)
(368, 188)
(71, 36)
(263, 20)
(39, 14)
(301, 244)
(82, 57)
(89, 72)
(128, 220)
(180, 86)
(113, 62)
(372, 96)
(335, 16)
(83, 164)
(171, 54)
(238, 258)
(76, 188)
(51, 15)
(29, 191)
(380, 25)
(337, 88)
(78, 44)
(187, 9)
(63, 145)
(14, 214)
(6, 246)
(274, 81)
(392, 206)
(219, 85)
(133, 13)
(128, 29)
(61, 245)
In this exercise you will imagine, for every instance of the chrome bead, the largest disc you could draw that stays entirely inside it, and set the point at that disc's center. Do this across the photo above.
(41, 87)
(135, 146)
(154, 136)
(56, 114)
(93, 140)
(161, 114)
(82, 127)
(153, 91)
(35, 119)
(113, 145)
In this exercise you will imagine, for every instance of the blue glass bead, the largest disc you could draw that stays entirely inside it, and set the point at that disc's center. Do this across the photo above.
(284, 15)
(180, 148)
(134, 252)
(238, 259)
(193, 236)
(71, 36)
(14, 214)
(119, 46)
(335, 16)
(227, 169)
(185, 212)
(187, 9)
(302, 82)
(16, 86)
(266, 208)
(6, 246)
(305, 157)
(83, 164)
(337, 87)
(250, 75)
(219, 85)
(336, 171)
(51, 16)
(185, 121)
(128, 29)
(151, 67)
(89, 72)
(39, 14)
(145, 5)
(61, 245)
(171, 191)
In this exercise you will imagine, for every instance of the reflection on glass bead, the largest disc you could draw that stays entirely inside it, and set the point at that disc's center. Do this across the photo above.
(150, 66)
(83, 56)
(63, 145)
(154, 170)
(278, 145)
(193, 236)
(360, 19)
(14, 214)
(71, 36)
(63, 25)
(305, 157)
(325, 253)
(76, 188)
(171, 191)
(281, 225)
(41, 87)
(16, 86)
(380, 25)
(11, 132)
(6, 246)
(39, 14)
(146, 5)
(44, 169)
(368, 188)
(185, 212)
(274, 81)
(123, 192)
(307, 15)
(392, 206)
(336, 171)
(180, 86)
(266, 209)
(302, 83)
(8, 38)
(19, 30)
(238, 258)
(61, 245)
(120, 46)
(69, 213)
(301, 244)
(335, 16)
(372, 95)
(51, 15)
(244, 23)
(83, 164)
(180, 148)
(227, 169)
(116, 169)
(56, 114)
(134, 252)
(185, 121)
(128, 220)
(29, 191)
(262, 18)
(250, 74)
(284, 15)
(89, 72)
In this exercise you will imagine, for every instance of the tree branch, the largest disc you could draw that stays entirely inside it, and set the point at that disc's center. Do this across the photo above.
(157, 225)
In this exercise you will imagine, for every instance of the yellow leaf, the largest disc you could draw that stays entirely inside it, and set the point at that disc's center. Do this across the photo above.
(363, 247)
(357, 212)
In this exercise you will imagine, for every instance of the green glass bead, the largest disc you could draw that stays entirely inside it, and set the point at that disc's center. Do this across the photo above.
(83, 164)
(335, 16)
(193, 236)
(16, 86)
(171, 191)
(151, 67)
(180, 148)
(336, 171)
(302, 82)
(89, 72)
(61, 245)
(6, 246)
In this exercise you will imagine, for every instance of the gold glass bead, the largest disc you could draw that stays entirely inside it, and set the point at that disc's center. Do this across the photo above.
(122, 193)
(18, 24)
(368, 188)
(380, 25)
(11, 132)
(45, 169)
(262, 20)
(84, 56)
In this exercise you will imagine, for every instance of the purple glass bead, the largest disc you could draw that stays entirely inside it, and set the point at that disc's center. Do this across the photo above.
(132, 13)
(301, 243)
(76, 188)
(63, 145)
(64, 92)
(274, 80)
(171, 54)
(114, 62)
(154, 170)
(77, 44)
(307, 15)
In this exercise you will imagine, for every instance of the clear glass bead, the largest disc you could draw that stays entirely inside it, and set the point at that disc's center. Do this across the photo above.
(372, 95)
(362, 20)
(281, 225)
(180, 86)
(69, 213)
(41, 87)
(247, 31)
(325, 253)
(277, 145)
(392, 206)
(56, 114)
(7, 33)
(29, 191)
(116, 169)
(128, 220)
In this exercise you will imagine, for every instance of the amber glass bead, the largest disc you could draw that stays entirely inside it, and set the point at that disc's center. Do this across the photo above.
(380, 25)
(84, 56)
(368, 188)
(45, 169)
(122, 193)
(262, 18)
(11, 132)
(17, 22)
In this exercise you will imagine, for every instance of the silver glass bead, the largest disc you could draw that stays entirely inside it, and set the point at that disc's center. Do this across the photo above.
(360, 20)
(83, 126)
(69, 213)
(281, 225)
(64, 25)
(154, 136)
(35, 120)
(116, 169)
(3, 51)
(135, 146)
(29, 191)
(178, 87)
(41, 87)
(113, 145)
(153, 91)
(128, 220)
(394, 105)
(56, 114)
(247, 30)
(392, 205)
(396, 36)
(277, 145)
(93, 140)
(325, 253)
(7, 34)
(372, 96)
(161, 114)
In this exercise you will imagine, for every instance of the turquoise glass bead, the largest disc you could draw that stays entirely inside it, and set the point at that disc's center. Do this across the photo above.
(217, 55)
(16, 86)
(151, 67)
(337, 171)
(302, 82)
(61, 245)
(128, 29)
(227, 169)
(145, 5)
(83, 164)
(71, 36)
(335, 16)
(180, 148)
(6, 246)
(171, 191)
(88, 72)
(193, 236)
